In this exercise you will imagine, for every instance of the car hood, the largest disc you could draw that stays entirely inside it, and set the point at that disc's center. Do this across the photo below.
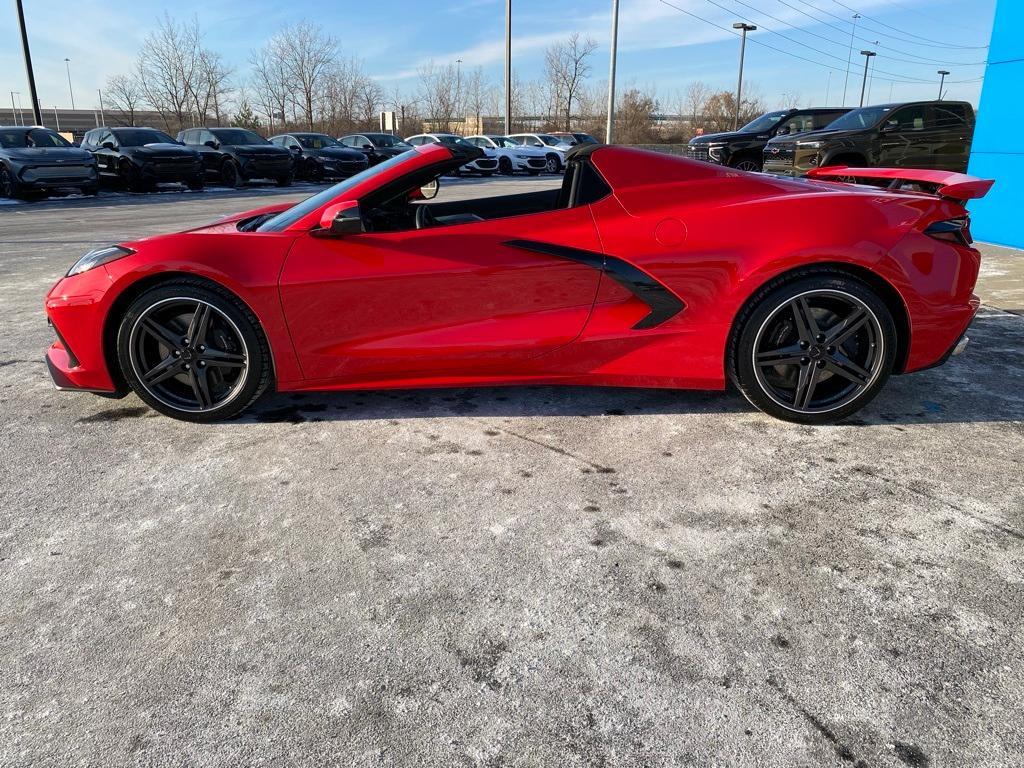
(255, 150)
(49, 154)
(528, 151)
(710, 138)
(340, 153)
(160, 150)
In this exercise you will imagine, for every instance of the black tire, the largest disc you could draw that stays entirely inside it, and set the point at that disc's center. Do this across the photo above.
(9, 186)
(286, 180)
(553, 164)
(129, 177)
(835, 365)
(91, 190)
(746, 163)
(230, 175)
(314, 172)
(505, 167)
(197, 183)
(152, 345)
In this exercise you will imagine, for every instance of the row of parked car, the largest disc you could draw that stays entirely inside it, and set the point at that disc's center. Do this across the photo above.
(37, 159)
(920, 134)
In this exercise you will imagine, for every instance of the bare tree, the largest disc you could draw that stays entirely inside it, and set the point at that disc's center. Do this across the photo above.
(634, 117)
(477, 96)
(270, 84)
(439, 94)
(693, 103)
(566, 67)
(290, 67)
(211, 88)
(167, 68)
(124, 94)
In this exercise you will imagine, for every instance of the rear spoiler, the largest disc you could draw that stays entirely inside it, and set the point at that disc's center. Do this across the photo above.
(947, 184)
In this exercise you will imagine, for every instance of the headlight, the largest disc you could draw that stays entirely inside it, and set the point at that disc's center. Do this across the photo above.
(810, 144)
(715, 151)
(98, 256)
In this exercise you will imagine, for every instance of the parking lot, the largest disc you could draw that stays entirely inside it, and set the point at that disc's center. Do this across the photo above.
(537, 576)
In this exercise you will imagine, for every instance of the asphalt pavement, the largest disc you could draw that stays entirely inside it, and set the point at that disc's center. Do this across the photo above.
(533, 576)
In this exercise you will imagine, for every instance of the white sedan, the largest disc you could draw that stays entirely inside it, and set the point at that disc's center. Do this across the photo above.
(554, 148)
(512, 156)
(485, 166)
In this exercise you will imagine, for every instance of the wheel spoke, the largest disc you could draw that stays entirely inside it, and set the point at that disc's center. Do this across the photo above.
(805, 386)
(200, 387)
(161, 332)
(782, 356)
(841, 365)
(218, 358)
(165, 369)
(198, 325)
(844, 329)
(806, 327)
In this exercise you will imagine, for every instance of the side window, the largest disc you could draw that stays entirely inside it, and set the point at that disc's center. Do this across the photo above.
(104, 137)
(822, 119)
(291, 143)
(907, 119)
(362, 141)
(277, 141)
(87, 140)
(950, 116)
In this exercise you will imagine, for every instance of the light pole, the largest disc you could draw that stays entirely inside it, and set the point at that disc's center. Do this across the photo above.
(864, 83)
(14, 110)
(942, 81)
(102, 116)
(56, 118)
(849, 57)
(28, 65)
(739, 85)
(609, 123)
(71, 91)
(508, 67)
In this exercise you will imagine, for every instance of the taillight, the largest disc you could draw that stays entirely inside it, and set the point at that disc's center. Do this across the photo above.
(951, 230)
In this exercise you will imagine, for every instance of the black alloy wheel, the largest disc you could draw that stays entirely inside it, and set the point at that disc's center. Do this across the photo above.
(8, 187)
(286, 180)
(816, 350)
(747, 164)
(314, 172)
(128, 175)
(229, 174)
(505, 167)
(552, 164)
(193, 352)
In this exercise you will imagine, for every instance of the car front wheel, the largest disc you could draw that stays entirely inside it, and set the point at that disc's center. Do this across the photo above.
(193, 351)
(815, 349)
(8, 186)
(553, 164)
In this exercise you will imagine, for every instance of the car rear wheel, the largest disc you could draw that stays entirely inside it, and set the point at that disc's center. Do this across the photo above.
(505, 167)
(815, 349)
(229, 175)
(193, 351)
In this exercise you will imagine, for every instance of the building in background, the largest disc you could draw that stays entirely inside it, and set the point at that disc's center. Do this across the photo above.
(998, 149)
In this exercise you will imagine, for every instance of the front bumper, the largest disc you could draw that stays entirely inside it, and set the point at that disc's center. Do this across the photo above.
(343, 168)
(171, 170)
(483, 165)
(76, 308)
(56, 176)
(266, 168)
(530, 163)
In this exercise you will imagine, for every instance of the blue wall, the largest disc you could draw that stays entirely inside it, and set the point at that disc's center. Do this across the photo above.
(998, 148)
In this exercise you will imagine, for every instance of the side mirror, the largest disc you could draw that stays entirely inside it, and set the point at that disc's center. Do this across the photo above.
(108, 145)
(430, 189)
(342, 219)
(368, 146)
(295, 148)
(212, 144)
(888, 128)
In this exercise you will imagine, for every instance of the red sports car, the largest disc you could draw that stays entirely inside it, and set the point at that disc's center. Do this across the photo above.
(643, 270)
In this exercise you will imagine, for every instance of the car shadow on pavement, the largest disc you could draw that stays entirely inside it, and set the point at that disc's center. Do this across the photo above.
(985, 384)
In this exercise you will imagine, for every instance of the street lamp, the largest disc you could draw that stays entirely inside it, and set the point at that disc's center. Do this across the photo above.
(36, 113)
(71, 91)
(14, 111)
(610, 117)
(849, 57)
(739, 85)
(508, 70)
(942, 81)
(864, 83)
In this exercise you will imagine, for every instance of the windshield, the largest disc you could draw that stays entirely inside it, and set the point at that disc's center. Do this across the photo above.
(859, 118)
(135, 137)
(387, 140)
(765, 122)
(315, 140)
(551, 140)
(34, 138)
(238, 136)
(504, 141)
(453, 141)
(285, 219)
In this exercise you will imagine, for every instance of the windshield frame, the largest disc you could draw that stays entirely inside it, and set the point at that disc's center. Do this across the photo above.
(242, 131)
(117, 133)
(883, 110)
(773, 119)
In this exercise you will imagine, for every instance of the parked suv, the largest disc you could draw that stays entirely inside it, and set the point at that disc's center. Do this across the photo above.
(234, 156)
(35, 158)
(140, 158)
(485, 166)
(923, 134)
(743, 149)
(554, 147)
(319, 156)
(377, 146)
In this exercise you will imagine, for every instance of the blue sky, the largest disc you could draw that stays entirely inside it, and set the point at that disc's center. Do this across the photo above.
(660, 47)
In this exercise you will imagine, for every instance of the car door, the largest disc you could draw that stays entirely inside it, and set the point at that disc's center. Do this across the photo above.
(211, 157)
(952, 136)
(107, 158)
(448, 301)
(906, 141)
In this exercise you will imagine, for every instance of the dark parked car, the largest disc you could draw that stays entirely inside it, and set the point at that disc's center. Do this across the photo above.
(140, 158)
(575, 139)
(923, 134)
(743, 149)
(234, 156)
(318, 156)
(377, 146)
(37, 159)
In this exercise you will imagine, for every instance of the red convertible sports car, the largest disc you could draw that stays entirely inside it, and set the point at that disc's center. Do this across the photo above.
(643, 270)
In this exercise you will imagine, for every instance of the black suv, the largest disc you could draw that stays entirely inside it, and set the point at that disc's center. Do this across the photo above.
(142, 157)
(377, 146)
(35, 158)
(234, 156)
(742, 149)
(319, 156)
(922, 134)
